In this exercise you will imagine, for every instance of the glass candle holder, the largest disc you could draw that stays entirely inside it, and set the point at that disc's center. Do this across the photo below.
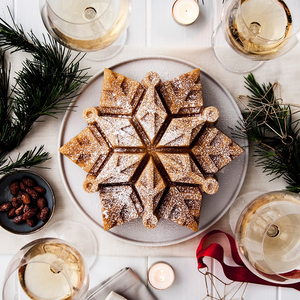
(185, 12)
(161, 276)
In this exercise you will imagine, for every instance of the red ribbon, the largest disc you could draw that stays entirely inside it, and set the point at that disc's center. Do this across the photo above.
(236, 273)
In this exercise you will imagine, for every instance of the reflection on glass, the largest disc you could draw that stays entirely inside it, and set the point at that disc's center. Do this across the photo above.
(268, 236)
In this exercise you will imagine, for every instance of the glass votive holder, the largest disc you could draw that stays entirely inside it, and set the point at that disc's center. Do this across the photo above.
(185, 12)
(161, 276)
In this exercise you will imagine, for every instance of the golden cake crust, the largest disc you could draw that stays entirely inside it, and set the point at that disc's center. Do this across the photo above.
(214, 150)
(182, 205)
(119, 204)
(120, 94)
(150, 186)
(151, 113)
(183, 94)
(85, 149)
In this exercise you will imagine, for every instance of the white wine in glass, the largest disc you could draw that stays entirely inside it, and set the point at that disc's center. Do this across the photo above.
(47, 269)
(259, 29)
(268, 236)
(256, 30)
(86, 25)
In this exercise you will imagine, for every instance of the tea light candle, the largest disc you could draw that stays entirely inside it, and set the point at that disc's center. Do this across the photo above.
(161, 276)
(185, 12)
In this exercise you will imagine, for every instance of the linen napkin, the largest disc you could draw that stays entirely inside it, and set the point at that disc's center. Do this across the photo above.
(114, 296)
(125, 283)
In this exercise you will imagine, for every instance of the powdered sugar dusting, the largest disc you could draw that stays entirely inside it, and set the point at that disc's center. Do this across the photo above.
(150, 130)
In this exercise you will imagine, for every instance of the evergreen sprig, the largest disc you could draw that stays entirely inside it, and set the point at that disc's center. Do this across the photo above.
(45, 86)
(269, 123)
(30, 158)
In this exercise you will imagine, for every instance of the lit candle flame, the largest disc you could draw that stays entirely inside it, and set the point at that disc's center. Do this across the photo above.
(161, 276)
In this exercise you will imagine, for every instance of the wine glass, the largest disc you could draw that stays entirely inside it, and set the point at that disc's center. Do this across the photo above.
(94, 26)
(268, 236)
(70, 231)
(253, 31)
(46, 269)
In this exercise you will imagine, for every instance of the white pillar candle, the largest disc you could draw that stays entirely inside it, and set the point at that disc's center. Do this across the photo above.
(185, 12)
(161, 276)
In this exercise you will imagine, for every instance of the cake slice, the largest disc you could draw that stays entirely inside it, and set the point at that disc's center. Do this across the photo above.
(182, 169)
(120, 94)
(119, 168)
(183, 94)
(182, 205)
(119, 131)
(119, 204)
(150, 187)
(85, 149)
(214, 150)
(151, 113)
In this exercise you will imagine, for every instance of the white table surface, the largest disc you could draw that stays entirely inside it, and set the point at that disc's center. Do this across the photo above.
(152, 31)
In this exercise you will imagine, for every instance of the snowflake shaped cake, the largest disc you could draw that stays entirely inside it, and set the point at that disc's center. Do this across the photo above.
(151, 149)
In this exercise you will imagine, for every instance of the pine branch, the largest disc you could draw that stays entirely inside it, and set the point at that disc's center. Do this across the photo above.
(45, 86)
(28, 159)
(14, 38)
(268, 122)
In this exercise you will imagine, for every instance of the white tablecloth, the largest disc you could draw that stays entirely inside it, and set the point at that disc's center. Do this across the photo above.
(153, 32)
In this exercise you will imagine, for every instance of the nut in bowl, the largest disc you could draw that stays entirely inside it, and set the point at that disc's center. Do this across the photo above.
(27, 202)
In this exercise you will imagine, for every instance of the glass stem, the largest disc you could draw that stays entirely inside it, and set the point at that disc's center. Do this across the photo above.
(273, 231)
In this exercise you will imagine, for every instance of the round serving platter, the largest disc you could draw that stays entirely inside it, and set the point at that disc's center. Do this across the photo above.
(230, 178)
